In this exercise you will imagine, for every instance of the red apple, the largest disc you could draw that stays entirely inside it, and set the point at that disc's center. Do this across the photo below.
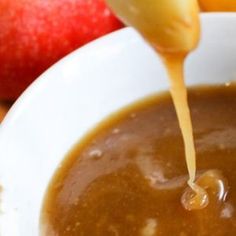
(34, 34)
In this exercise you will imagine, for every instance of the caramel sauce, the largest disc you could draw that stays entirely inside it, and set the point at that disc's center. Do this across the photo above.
(129, 176)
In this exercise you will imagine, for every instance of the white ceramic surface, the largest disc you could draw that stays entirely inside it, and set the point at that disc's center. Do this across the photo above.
(76, 93)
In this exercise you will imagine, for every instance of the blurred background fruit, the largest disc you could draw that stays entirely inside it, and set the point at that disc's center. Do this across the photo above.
(218, 5)
(34, 34)
(4, 107)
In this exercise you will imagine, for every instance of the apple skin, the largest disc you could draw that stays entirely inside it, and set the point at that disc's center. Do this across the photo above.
(34, 34)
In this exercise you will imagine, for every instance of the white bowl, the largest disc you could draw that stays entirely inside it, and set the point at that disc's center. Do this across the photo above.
(76, 93)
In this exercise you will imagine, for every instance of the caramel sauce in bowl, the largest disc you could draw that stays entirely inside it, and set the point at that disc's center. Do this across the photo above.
(58, 109)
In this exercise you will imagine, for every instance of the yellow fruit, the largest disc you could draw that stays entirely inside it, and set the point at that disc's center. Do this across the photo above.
(218, 5)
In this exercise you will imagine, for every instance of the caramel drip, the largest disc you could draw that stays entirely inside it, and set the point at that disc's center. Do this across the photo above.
(172, 28)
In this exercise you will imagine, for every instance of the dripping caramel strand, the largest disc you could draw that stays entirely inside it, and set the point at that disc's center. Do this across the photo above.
(172, 28)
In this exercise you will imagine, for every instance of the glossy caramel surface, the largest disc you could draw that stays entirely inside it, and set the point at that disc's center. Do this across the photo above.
(129, 175)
